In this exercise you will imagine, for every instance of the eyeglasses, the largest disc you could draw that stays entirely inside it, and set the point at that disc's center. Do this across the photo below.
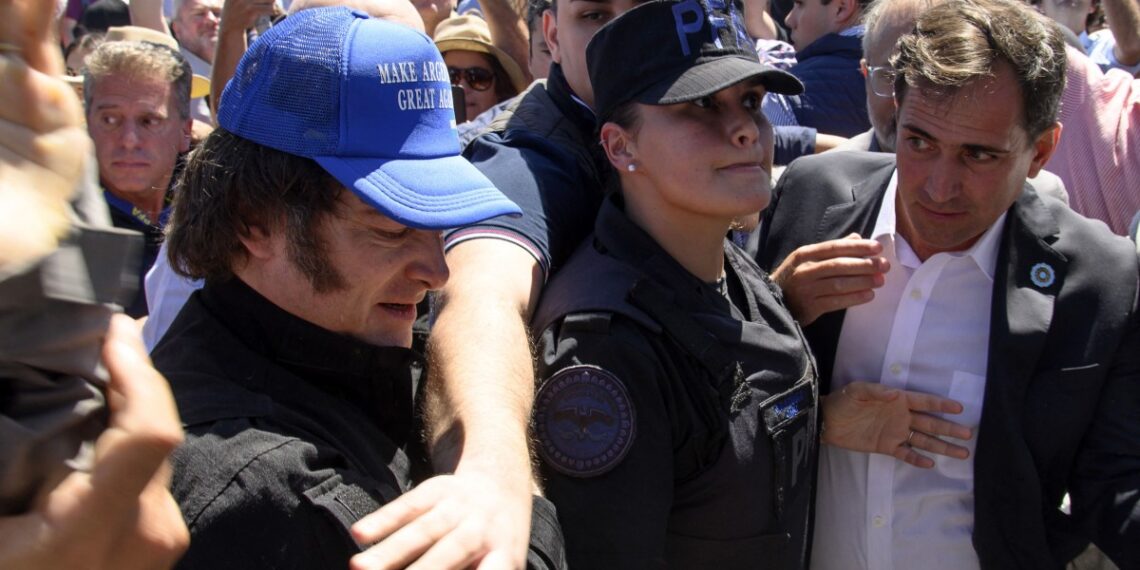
(478, 78)
(882, 78)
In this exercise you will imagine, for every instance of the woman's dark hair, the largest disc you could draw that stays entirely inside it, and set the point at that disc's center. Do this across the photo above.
(504, 89)
(625, 116)
(230, 184)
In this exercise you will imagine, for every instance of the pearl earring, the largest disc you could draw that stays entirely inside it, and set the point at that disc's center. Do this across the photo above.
(632, 167)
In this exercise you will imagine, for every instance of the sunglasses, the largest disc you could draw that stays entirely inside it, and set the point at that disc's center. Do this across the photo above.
(478, 78)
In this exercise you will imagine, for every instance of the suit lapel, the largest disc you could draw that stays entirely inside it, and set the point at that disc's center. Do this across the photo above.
(1029, 273)
(856, 215)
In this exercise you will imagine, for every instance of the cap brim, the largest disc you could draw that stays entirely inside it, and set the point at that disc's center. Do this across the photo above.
(434, 193)
(199, 86)
(711, 76)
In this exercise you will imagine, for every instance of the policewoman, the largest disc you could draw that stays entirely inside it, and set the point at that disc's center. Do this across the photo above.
(676, 416)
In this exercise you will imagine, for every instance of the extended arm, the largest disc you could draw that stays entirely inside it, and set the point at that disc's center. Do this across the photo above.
(478, 409)
(873, 418)
(1123, 18)
(830, 276)
(508, 30)
(120, 515)
(237, 17)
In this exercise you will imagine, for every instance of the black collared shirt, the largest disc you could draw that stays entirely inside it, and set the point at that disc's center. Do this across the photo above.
(292, 432)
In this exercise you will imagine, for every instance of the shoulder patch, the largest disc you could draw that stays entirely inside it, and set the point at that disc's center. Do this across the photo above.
(584, 421)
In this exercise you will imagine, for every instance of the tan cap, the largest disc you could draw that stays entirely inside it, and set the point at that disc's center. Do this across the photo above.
(199, 86)
(471, 33)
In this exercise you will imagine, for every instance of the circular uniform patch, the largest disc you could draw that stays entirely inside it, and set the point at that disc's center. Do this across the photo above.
(584, 421)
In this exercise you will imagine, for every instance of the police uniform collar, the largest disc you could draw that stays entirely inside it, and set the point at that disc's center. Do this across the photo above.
(623, 239)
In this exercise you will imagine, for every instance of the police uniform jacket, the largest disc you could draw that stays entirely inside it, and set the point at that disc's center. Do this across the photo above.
(676, 428)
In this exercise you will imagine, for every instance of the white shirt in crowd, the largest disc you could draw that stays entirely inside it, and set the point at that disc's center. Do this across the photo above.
(926, 330)
(166, 292)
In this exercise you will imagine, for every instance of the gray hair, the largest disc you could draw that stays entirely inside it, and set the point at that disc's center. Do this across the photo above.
(881, 12)
(142, 60)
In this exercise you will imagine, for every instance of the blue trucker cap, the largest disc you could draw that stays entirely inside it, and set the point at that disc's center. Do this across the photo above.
(370, 101)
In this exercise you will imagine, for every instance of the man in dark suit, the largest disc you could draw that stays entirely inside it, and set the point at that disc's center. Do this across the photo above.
(973, 287)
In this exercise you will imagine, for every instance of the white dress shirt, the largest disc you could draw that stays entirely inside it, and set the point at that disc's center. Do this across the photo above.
(926, 330)
(166, 292)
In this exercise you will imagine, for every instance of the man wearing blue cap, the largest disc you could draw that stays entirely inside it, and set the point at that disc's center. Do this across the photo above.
(313, 214)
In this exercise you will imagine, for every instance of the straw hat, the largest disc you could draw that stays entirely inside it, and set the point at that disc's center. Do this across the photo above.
(199, 86)
(472, 34)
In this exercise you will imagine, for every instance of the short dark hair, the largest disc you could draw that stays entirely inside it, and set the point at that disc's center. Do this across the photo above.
(534, 11)
(960, 41)
(230, 184)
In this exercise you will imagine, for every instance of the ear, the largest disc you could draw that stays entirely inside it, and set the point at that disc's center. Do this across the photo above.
(846, 14)
(550, 32)
(863, 68)
(175, 28)
(258, 242)
(1043, 148)
(187, 131)
(619, 145)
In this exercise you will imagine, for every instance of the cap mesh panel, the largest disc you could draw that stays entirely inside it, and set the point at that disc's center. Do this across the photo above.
(292, 108)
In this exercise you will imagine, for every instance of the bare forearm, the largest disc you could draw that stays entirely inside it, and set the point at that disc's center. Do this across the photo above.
(1124, 19)
(481, 388)
(148, 14)
(231, 46)
(508, 30)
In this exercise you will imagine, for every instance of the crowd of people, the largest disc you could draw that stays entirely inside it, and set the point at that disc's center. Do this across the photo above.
(380, 284)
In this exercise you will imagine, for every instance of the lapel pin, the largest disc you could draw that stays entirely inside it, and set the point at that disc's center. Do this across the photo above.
(1042, 275)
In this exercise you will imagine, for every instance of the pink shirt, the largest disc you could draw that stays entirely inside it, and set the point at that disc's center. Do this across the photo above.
(1098, 157)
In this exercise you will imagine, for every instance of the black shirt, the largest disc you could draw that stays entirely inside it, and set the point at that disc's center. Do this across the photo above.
(291, 431)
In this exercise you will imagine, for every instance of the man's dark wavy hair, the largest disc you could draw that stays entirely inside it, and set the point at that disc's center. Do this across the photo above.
(231, 184)
(960, 41)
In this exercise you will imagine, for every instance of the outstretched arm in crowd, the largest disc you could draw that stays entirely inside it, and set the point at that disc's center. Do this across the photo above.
(1123, 18)
(508, 29)
(121, 514)
(237, 17)
(831, 276)
(148, 14)
(480, 394)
